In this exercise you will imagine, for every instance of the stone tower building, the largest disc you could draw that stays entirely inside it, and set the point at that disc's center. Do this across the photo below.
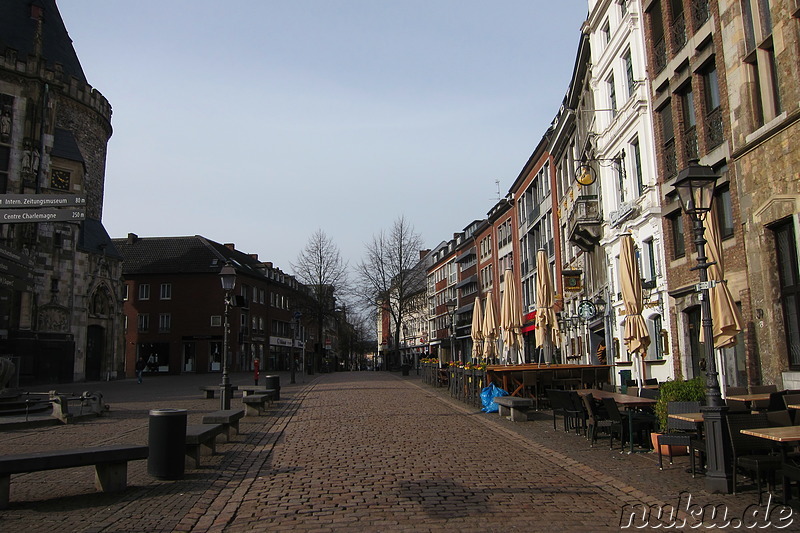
(60, 287)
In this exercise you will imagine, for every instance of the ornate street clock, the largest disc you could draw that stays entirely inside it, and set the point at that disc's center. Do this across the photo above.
(60, 180)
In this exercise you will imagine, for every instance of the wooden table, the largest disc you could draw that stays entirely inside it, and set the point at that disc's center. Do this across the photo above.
(696, 418)
(629, 402)
(785, 435)
(793, 406)
(504, 374)
(749, 398)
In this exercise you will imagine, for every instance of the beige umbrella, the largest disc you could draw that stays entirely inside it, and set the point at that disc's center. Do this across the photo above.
(489, 328)
(727, 319)
(636, 336)
(477, 330)
(545, 299)
(511, 318)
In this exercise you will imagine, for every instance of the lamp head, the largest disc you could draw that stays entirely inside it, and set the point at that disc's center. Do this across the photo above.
(695, 186)
(227, 276)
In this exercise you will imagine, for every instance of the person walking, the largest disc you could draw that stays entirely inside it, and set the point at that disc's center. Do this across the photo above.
(141, 364)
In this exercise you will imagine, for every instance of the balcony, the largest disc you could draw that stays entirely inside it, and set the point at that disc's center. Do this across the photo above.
(714, 130)
(583, 222)
(660, 55)
(678, 32)
(690, 143)
(700, 13)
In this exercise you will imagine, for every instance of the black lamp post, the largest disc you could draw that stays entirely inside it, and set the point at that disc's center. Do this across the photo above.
(228, 278)
(695, 187)
(452, 305)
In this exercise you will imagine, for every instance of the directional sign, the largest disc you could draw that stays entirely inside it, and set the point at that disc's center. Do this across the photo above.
(41, 200)
(13, 255)
(11, 216)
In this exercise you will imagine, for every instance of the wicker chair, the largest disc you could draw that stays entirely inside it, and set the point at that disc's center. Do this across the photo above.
(597, 421)
(681, 433)
(733, 405)
(640, 424)
(752, 454)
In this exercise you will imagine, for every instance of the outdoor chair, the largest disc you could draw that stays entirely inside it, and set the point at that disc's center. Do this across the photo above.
(565, 379)
(598, 421)
(602, 376)
(735, 406)
(641, 426)
(587, 378)
(762, 405)
(577, 413)
(609, 387)
(791, 399)
(536, 383)
(653, 394)
(754, 455)
(779, 418)
(556, 399)
(681, 433)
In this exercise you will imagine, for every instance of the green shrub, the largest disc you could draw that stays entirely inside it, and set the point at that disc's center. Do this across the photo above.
(692, 390)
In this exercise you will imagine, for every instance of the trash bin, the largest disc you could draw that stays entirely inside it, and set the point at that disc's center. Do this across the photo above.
(273, 381)
(624, 377)
(167, 441)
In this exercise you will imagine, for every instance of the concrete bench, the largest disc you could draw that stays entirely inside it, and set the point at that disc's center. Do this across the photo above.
(110, 465)
(254, 403)
(229, 418)
(257, 389)
(212, 389)
(515, 407)
(202, 434)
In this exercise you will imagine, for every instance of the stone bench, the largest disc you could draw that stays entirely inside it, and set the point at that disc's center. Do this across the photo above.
(212, 389)
(110, 465)
(202, 434)
(516, 408)
(257, 389)
(229, 418)
(254, 404)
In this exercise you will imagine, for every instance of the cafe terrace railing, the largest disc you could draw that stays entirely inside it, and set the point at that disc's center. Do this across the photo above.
(463, 380)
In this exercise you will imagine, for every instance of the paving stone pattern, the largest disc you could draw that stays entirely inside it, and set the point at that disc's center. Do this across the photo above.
(360, 451)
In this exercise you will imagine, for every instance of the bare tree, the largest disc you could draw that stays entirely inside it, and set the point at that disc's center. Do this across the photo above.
(390, 275)
(321, 269)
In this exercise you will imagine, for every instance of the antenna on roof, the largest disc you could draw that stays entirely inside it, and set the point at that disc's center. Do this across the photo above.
(497, 182)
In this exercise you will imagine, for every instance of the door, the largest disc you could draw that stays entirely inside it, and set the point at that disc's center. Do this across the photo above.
(789, 276)
(95, 347)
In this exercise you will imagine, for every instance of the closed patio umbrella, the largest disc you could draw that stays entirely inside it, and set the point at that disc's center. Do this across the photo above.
(477, 330)
(546, 322)
(511, 319)
(725, 315)
(636, 336)
(489, 328)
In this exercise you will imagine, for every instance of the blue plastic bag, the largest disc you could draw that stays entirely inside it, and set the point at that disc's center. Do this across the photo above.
(488, 394)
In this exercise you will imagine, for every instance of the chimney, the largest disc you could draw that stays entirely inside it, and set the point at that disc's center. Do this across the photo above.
(268, 264)
(230, 246)
(423, 253)
(254, 256)
(132, 238)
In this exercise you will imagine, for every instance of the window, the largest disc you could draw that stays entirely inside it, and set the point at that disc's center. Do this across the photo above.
(689, 124)
(144, 322)
(125, 292)
(657, 31)
(678, 240)
(722, 202)
(760, 60)
(714, 128)
(789, 286)
(164, 322)
(216, 321)
(668, 135)
(605, 32)
(144, 291)
(649, 271)
(629, 79)
(678, 27)
(637, 166)
(623, 8)
(612, 96)
(166, 291)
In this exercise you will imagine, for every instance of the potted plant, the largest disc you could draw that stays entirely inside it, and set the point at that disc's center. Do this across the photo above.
(678, 390)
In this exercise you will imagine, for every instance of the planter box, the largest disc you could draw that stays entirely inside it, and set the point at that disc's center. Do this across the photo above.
(667, 450)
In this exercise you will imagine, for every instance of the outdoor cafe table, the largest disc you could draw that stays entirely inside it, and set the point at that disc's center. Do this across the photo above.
(749, 398)
(505, 377)
(785, 435)
(696, 418)
(629, 402)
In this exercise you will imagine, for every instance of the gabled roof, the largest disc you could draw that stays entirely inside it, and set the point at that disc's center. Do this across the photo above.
(17, 30)
(181, 255)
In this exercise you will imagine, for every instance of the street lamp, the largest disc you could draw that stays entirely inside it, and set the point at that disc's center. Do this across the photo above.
(295, 325)
(227, 276)
(452, 305)
(695, 187)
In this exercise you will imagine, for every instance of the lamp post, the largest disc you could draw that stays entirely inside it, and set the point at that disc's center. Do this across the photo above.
(227, 276)
(695, 186)
(452, 305)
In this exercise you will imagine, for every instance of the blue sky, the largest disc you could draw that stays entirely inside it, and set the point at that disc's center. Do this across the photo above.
(257, 122)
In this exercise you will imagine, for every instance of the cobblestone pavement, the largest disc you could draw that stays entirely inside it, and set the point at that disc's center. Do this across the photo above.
(360, 451)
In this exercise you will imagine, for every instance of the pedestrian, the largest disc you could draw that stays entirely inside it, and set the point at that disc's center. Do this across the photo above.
(141, 364)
